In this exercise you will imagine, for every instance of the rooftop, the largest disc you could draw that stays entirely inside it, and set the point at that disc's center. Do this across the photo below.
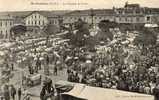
(6, 17)
(151, 10)
(91, 11)
(127, 5)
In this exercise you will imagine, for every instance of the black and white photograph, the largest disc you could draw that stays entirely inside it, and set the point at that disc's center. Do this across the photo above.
(79, 50)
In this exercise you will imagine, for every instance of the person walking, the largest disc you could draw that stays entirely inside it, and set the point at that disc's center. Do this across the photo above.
(30, 69)
(6, 93)
(76, 78)
(55, 70)
(42, 93)
(47, 60)
(36, 69)
(12, 66)
(13, 92)
(38, 63)
(19, 93)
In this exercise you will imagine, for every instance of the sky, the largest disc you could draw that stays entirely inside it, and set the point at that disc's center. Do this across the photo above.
(30, 5)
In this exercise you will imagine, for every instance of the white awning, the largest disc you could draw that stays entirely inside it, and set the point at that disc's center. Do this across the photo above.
(96, 93)
(151, 25)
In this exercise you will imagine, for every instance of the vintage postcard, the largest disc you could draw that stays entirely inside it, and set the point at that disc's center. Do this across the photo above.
(79, 50)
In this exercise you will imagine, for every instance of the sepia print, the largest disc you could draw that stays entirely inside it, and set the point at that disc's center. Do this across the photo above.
(79, 50)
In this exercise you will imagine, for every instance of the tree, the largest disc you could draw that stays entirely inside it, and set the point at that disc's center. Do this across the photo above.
(51, 29)
(105, 25)
(146, 37)
(18, 30)
(104, 33)
(79, 34)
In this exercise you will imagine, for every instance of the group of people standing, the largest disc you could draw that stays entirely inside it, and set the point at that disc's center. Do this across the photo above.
(116, 69)
(11, 93)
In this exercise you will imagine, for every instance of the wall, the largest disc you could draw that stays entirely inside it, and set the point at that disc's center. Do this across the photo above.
(130, 19)
(35, 19)
(54, 21)
(5, 26)
(88, 19)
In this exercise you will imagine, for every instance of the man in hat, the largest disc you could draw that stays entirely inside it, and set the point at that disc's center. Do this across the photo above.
(6, 92)
(55, 70)
(19, 93)
(13, 92)
(38, 63)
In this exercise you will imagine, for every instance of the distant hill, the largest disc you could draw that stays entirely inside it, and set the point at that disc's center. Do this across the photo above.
(25, 13)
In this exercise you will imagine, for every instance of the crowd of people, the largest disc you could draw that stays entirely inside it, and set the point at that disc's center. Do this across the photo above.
(119, 66)
(116, 68)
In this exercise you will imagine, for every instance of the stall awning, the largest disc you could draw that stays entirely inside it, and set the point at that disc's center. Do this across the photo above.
(151, 25)
(76, 91)
(64, 86)
(94, 93)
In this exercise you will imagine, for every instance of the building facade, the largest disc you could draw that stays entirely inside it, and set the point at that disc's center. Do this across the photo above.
(92, 16)
(36, 21)
(130, 13)
(153, 15)
(133, 13)
(6, 22)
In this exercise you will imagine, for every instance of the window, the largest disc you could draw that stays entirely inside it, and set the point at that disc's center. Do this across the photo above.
(6, 23)
(35, 16)
(39, 22)
(10, 23)
(0, 23)
(120, 12)
(148, 18)
(126, 19)
(100, 17)
(6, 35)
(32, 22)
(28, 22)
(43, 22)
(35, 23)
(137, 19)
(84, 18)
(39, 16)
(131, 19)
(1, 32)
(55, 22)
(119, 18)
